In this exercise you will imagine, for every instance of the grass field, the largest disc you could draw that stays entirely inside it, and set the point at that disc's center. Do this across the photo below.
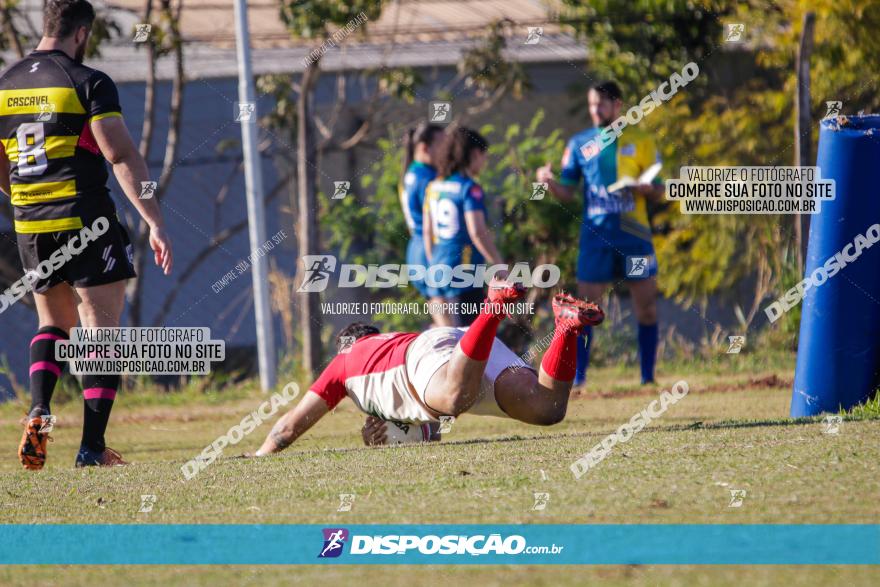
(730, 432)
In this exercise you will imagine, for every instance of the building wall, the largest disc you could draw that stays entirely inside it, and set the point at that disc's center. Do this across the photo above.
(203, 166)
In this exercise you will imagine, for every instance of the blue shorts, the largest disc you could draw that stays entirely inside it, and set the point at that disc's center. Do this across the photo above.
(452, 256)
(611, 255)
(415, 255)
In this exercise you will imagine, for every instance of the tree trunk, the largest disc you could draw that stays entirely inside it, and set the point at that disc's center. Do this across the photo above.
(133, 288)
(142, 239)
(307, 231)
(803, 131)
(149, 90)
(11, 33)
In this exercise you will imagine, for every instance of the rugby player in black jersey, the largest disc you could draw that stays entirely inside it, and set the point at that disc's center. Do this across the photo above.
(60, 121)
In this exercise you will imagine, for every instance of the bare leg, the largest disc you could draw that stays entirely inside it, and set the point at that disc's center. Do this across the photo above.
(455, 387)
(592, 291)
(530, 398)
(644, 297)
(542, 399)
(57, 307)
(101, 306)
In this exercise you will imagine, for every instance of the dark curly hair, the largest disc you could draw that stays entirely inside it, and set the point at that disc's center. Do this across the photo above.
(352, 332)
(455, 152)
(608, 89)
(61, 18)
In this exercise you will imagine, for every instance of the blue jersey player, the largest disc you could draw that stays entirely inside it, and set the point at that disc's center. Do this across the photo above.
(420, 145)
(455, 222)
(615, 241)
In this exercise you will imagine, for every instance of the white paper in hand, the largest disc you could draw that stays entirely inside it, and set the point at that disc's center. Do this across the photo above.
(625, 182)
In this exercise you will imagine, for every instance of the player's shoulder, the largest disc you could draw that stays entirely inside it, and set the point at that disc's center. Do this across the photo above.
(28, 66)
(450, 185)
(80, 74)
(433, 187)
(336, 368)
(91, 76)
(423, 170)
(473, 190)
(583, 136)
(636, 136)
(8, 73)
(634, 141)
(418, 173)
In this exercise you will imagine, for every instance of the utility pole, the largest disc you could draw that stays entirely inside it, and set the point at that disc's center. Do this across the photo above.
(254, 193)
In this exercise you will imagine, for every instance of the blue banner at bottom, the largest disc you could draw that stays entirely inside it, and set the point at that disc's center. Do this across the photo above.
(487, 544)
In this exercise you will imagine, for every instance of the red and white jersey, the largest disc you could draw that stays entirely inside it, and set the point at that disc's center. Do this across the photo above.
(372, 372)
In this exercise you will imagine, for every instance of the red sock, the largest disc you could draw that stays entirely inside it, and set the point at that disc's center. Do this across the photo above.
(477, 341)
(560, 360)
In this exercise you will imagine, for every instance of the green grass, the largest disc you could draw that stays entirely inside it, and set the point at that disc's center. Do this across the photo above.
(407, 576)
(730, 432)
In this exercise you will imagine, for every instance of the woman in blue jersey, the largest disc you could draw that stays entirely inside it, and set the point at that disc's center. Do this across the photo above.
(420, 144)
(455, 223)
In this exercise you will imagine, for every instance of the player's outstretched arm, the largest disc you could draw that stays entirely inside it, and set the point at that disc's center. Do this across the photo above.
(294, 424)
(479, 233)
(427, 232)
(559, 190)
(130, 170)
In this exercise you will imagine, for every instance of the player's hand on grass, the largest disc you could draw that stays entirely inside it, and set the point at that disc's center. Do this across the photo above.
(374, 431)
(161, 245)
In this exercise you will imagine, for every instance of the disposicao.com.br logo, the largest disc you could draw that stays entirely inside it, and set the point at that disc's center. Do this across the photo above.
(318, 270)
(334, 541)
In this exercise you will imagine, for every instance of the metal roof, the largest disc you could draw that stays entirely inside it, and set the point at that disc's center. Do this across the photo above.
(408, 33)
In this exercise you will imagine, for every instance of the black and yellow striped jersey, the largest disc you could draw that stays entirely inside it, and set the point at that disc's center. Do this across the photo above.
(58, 175)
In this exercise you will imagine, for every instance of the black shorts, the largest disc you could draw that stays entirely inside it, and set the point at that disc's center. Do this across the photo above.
(106, 258)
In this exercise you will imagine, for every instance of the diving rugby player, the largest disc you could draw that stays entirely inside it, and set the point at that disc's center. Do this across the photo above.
(412, 377)
(59, 122)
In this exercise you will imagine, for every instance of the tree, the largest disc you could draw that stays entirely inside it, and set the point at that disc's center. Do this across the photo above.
(315, 20)
(720, 120)
(164, 39)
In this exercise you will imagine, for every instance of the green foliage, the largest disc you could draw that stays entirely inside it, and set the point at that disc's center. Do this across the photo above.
(282, 118)
(398, 83)
(845, 41)
(537, 231)
(310, 19)
(485, 70)
(869, 409)
(372, 230)
(714, 122)
(639, 41)
(103, 29)
(162, 34)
